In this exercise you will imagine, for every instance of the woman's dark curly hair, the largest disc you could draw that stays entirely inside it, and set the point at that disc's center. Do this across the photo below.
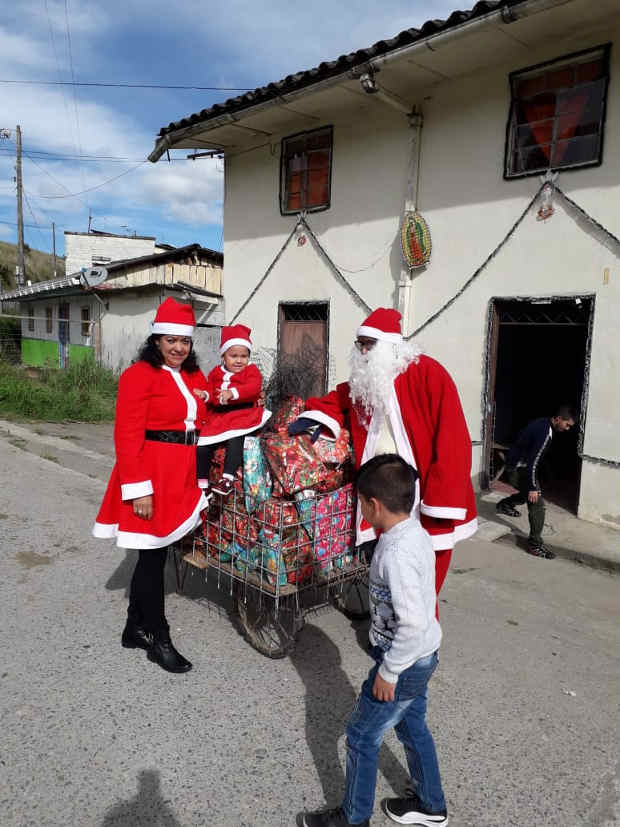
(149, 352)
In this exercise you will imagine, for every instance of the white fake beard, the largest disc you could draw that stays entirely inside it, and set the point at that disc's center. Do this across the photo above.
(372, 374)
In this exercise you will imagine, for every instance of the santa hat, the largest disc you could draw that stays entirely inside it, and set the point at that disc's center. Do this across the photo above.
(174, 319)
(383, 324)
(236, 334)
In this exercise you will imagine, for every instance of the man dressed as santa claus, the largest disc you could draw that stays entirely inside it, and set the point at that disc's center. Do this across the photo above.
(398, 400)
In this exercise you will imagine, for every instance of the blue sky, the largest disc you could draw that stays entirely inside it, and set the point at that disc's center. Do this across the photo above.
(235, 44)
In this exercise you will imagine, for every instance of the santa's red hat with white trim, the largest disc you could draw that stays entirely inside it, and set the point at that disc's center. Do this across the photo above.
(236, 334)
(174, 319)
(382, 324)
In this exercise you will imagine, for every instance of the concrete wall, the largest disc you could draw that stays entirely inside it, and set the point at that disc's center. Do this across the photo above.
(86, 249)
(469, 208)
(38, 309)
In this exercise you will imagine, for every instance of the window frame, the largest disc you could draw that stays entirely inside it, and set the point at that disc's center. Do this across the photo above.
(49, 319)
(85, 323)
(283, 195)
(31, 319)
(605, 49)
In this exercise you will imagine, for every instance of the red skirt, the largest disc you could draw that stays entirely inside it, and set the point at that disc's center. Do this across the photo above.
(223, 425)
(177, 500)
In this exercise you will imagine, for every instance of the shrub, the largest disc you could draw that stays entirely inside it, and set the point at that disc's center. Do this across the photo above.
(83, 392)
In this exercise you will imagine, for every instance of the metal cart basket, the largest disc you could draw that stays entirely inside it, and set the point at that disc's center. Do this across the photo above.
(280, 561)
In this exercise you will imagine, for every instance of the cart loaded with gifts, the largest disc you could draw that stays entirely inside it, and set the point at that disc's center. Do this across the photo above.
(283, 541)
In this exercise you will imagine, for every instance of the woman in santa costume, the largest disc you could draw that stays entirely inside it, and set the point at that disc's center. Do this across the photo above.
(398, 400)
(233, 391)
(152, 499)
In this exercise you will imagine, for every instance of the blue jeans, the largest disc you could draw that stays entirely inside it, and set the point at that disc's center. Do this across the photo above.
(369, 722)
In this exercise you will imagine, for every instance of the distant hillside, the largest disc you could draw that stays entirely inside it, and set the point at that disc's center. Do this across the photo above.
(39, 266)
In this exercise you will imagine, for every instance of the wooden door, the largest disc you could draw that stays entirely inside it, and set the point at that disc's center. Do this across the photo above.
(303, 346)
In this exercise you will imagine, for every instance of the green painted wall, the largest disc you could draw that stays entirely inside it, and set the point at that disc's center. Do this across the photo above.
(78, 353)
(38, 352)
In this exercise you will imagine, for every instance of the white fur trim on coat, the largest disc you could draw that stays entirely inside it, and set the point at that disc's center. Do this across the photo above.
(133, 490)
(129, 539)
(449, 540)
(443, 512)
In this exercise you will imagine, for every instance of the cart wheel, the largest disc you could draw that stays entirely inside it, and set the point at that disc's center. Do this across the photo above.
(269, 633)
(353, 600)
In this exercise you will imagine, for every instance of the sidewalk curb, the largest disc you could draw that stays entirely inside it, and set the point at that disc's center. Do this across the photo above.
(583, 558)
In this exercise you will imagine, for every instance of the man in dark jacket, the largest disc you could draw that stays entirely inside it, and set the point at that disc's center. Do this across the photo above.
(522, 464)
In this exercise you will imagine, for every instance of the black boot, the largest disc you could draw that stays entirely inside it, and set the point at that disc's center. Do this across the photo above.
(135, 636)
(163, 653)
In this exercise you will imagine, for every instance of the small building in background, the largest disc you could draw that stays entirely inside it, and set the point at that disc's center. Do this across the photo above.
(63, 322)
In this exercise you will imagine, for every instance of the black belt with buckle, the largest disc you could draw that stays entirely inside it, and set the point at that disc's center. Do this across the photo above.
(175, 437)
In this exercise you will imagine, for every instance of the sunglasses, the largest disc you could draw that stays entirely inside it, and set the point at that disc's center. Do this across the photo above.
(365, 344)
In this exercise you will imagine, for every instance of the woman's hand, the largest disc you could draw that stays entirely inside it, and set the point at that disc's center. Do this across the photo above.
(204, 395)
(143, 507)
(225, 397)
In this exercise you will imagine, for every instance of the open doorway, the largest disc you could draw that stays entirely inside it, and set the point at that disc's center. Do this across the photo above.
(538, 359)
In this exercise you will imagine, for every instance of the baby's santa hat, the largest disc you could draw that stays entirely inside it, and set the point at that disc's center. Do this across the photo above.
(236, 334)
(174, 319)
(382, 324)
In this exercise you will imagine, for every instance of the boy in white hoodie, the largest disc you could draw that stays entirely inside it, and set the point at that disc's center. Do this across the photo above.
(404, 636)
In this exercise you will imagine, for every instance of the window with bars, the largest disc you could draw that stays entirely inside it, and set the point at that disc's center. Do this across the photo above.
(305, 171)
(304, 312)
(49, 318)
(557, 114)
(85, 321)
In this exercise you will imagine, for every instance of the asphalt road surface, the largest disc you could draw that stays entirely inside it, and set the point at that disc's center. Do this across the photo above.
(524, 705)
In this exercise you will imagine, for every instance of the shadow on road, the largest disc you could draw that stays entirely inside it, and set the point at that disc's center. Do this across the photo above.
(148, 807)
(329, 702)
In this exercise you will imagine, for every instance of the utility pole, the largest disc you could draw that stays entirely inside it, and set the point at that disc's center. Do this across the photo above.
(54, 244)
(20, 270)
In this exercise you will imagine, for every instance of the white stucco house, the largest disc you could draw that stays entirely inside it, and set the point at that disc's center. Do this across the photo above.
(65, 321)
(462, 120)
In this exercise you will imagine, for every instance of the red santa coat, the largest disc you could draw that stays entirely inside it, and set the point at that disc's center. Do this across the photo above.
(153, 399)
(227, 421)
(431, 434)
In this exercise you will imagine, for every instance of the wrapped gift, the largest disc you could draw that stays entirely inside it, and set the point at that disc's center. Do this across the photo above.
(298, 556)
(292, 461)
(269, 559)
(244, 559)
(288, 412)
(305, 503)
(276, 514)
(257, 485)
(330, 479)
(333, 528)
(238, 526)
(333, 451)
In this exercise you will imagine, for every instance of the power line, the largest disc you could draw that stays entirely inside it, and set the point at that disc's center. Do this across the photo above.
(41, 155)
(106, 85)
(30, 226)
(33, 217)
(96, 187)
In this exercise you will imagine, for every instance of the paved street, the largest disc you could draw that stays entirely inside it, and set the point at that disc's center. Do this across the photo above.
(525, 704)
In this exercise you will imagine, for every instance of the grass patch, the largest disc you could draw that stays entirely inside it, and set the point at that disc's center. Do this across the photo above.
(50, 457)
(84, 392)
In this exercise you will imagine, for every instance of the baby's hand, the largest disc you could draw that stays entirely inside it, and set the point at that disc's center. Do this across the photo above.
(204, 395)
(225, 397)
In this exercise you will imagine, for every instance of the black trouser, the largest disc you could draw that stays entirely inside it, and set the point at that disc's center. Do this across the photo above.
(234, 456)
(146, 593)
(518, 478)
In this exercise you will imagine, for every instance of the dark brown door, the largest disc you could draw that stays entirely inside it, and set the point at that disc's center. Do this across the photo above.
(303, 346)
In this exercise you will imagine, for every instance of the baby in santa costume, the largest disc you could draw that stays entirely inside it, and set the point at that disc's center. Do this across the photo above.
(233, 391)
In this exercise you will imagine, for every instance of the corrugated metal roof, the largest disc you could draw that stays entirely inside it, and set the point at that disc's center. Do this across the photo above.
(342, 64)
